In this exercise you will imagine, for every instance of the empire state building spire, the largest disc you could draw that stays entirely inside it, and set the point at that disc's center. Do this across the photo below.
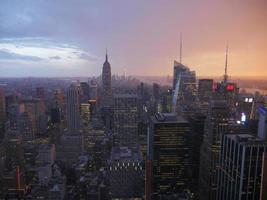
(106, 55)
(106, 82)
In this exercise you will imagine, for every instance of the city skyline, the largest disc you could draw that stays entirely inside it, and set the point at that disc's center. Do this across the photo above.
(48, 39)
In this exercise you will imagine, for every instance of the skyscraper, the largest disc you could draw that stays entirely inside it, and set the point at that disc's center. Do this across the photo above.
(184, 88)
(216, 123)
(106, 84)
(126, 119)
(205, 88)
(85, 92)
(178, 68)
(106, 98)
(169, 154)
(240, 167)
(73, 109)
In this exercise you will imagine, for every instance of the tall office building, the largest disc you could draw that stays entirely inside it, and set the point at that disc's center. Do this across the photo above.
(241, 167)
(85, 92)
(93, 97)
(106, 84)
(36, 113)
(216, 123)
(25, 127)
(125, 119)
(12, 108)
(93, 94)
(178, 69)
(184, 88)
(106, 100)
(169, 154)
(72, 141)
(226, 90)
(73, 109)
(205, 89)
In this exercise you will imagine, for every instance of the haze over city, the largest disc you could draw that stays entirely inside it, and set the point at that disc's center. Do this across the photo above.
(69, 38)
(133, 100)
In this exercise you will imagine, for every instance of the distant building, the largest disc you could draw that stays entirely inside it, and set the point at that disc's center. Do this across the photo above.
(55, 115)
(25, 127)
(2, 113)
(93, 90)
(71, 147)
(85, 114)
(205, 89)
(125, 119)
(40, 93)
(73, 109)
(85, 92)
(126, 173)
(106, 84)
(106, 100)
(184, 89)
(169, 154)
(178, 69)
(36, 113)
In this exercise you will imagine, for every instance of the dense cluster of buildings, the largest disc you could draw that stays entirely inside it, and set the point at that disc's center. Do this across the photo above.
(116, 138)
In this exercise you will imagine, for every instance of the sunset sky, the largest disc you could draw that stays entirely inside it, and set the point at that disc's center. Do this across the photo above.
(69, 37)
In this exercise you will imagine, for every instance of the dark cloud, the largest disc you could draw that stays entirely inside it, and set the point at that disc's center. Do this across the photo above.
(55, 58)
(87, 57)
(5, 55)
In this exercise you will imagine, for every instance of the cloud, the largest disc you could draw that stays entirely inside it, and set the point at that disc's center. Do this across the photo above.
(5, 55)
(43, 56)
(55, 57)
(88, 57)
(42, 49)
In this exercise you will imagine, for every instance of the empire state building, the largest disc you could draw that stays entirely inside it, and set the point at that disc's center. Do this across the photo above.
(106, 84)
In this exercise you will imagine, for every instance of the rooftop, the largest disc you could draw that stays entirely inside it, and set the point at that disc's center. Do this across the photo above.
(168, 118)
(245, 138)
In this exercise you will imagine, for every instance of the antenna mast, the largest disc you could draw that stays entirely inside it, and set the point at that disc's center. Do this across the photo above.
(226, 65)
(181, 47)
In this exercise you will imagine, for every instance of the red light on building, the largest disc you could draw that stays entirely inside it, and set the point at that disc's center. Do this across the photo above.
(230, 87)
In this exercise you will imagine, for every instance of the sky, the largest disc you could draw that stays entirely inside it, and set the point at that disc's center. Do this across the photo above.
(69, 37)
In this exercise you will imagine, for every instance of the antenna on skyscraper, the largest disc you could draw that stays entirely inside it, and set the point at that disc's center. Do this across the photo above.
(106, 54)
(181, 47)
(226, 65)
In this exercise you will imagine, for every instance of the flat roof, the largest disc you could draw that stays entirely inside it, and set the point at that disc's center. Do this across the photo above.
(168, 118)
(245, 138)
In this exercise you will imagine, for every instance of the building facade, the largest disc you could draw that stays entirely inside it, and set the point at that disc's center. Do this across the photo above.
(169, 154)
